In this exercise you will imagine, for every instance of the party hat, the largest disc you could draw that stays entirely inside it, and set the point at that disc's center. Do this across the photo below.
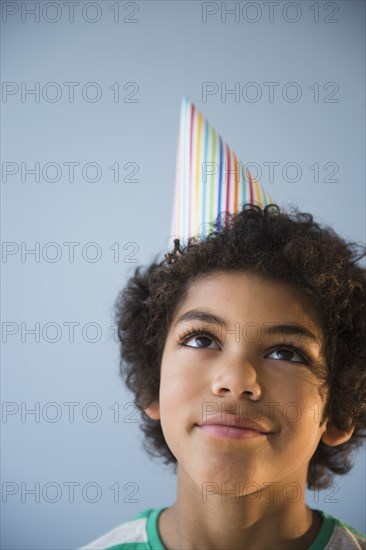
(209, 179)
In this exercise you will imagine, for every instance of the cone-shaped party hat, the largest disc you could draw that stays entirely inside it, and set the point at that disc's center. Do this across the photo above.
(209, 179)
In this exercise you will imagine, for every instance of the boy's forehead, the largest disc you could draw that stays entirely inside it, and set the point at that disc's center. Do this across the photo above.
(243, 296)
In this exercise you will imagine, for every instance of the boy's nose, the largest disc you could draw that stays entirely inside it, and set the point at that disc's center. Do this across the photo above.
(237, 378)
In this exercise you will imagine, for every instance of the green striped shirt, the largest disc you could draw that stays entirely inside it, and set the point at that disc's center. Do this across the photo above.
(142, 533)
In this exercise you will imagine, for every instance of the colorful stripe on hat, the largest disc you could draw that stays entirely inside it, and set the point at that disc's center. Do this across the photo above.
(209, 178)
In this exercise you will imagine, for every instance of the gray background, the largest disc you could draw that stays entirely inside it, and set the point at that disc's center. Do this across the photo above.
(169, 51)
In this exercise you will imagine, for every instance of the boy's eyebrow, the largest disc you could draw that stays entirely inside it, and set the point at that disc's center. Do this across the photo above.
(292, 329)
(197, 315)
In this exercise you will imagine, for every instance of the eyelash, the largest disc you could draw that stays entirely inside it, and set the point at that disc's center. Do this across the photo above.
(195, 332)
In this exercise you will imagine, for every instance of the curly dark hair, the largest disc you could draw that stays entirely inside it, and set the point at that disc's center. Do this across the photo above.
(285, 246)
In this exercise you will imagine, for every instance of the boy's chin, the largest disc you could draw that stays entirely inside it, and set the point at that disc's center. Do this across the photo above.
(235, 480)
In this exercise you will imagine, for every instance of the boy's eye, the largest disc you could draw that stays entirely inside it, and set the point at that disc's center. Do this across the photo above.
(202, 341)
(287, 354)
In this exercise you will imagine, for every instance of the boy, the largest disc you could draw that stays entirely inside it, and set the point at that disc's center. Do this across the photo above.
(245, 352)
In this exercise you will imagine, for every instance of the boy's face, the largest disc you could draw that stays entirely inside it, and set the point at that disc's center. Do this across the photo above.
(250, 366)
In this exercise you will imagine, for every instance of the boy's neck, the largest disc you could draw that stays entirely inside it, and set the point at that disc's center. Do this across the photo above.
(258, 521)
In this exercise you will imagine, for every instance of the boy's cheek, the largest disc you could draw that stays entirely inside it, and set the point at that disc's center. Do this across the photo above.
(181, 405)
(178, 383)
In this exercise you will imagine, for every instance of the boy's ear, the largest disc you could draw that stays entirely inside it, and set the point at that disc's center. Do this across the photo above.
(333, 436)
(153, 411)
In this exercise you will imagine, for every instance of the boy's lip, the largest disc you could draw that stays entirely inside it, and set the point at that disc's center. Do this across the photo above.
(236, 421)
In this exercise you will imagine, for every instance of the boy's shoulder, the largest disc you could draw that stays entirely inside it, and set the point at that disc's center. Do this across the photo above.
(141, 533)
(335, 534)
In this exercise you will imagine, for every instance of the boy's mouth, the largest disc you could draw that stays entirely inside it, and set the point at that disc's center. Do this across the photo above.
(233, 427)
